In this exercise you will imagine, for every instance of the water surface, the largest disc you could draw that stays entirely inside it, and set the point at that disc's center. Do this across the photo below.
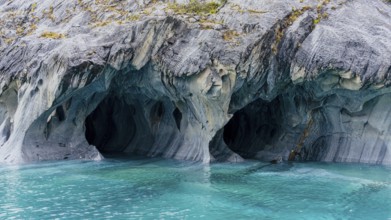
(165, 189)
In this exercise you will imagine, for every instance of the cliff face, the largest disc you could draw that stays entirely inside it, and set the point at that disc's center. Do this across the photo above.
(256, 79)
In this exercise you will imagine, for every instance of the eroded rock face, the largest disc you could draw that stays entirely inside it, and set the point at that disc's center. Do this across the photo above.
(337, 127)
(256, 79)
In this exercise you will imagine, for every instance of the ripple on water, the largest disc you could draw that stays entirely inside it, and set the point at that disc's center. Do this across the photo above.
(165, 189)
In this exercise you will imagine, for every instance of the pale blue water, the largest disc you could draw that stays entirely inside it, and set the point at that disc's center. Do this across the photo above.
(166, 189)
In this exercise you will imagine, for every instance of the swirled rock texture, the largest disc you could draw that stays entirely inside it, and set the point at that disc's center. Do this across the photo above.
(256, 79)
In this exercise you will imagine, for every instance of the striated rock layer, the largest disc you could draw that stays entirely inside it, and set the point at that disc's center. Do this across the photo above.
(257, 79)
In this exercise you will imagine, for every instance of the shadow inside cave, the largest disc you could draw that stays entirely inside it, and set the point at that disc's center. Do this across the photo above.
(111, 126)
(133, 124)
(255, 128)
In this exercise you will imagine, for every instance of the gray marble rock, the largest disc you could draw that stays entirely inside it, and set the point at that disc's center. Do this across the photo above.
(257, 79)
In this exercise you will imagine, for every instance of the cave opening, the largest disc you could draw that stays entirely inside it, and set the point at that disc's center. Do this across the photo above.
(255, 128)
(111, 127)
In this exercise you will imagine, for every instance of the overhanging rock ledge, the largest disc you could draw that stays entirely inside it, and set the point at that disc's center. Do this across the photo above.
(256, 79)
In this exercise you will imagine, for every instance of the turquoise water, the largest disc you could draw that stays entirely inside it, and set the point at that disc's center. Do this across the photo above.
(166, 189)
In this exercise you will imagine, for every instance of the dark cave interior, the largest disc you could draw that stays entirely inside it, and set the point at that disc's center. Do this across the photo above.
(254, 127)
(111, 126)
(130, 124)
(115, 124)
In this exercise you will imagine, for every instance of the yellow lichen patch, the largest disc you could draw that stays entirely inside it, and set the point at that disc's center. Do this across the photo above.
(195, 7)
(204, 20)
(134, 17)
(9, 40)
(52, 35)
(230, 35)
(252, 11)
(100, 23)
(33, 7)
(237, 8)
(148, 11)
(19, 30)
(49, 14)
(208, 24)
(128, 18)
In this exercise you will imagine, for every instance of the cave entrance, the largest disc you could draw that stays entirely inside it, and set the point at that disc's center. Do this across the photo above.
(255, 128)
(111, 127)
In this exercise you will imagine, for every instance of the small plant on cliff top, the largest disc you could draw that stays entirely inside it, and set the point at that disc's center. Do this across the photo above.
(196, 7)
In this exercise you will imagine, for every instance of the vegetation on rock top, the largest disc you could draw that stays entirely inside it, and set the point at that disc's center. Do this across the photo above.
(196, 7)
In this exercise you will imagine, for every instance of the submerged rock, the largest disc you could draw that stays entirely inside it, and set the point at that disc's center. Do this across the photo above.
(255, 79)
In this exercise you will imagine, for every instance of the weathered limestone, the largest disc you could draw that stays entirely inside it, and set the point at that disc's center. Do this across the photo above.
(256, 79)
